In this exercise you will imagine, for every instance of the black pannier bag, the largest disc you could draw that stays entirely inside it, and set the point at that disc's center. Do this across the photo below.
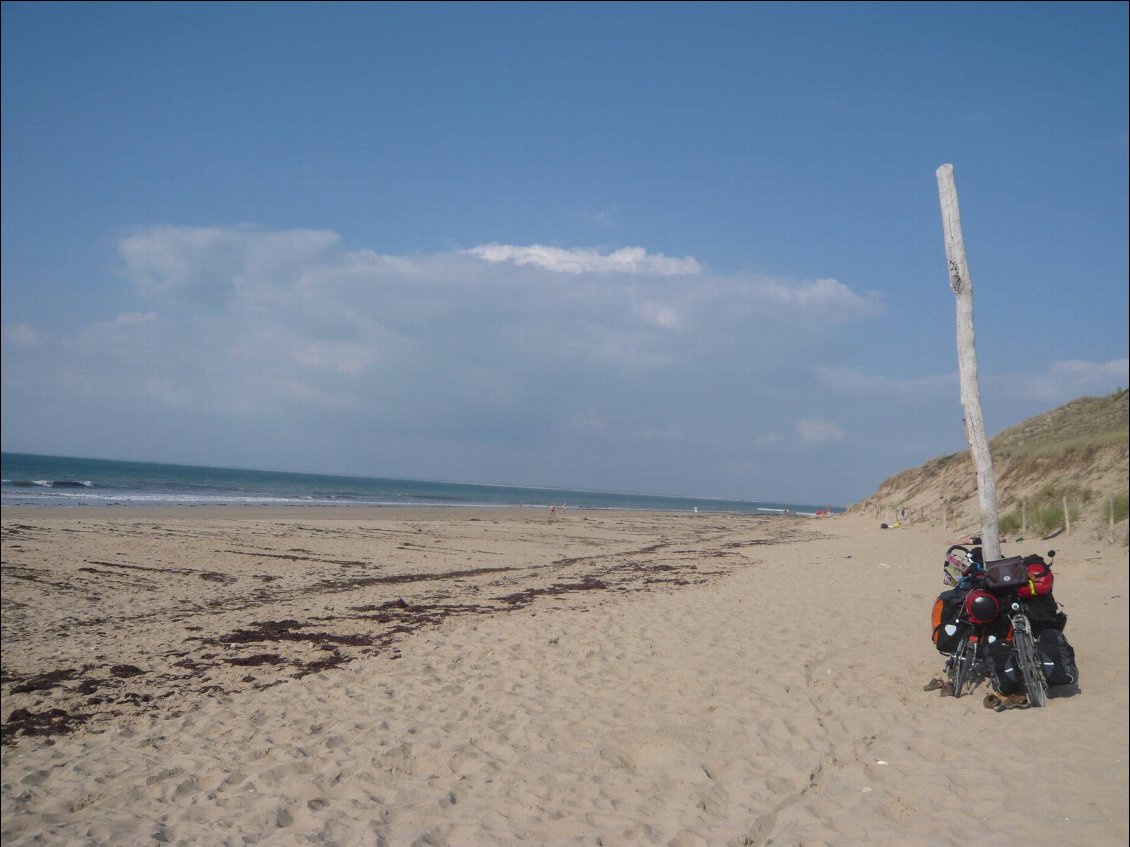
(1043, 611)
(1058, 658)
(1001, 660)
(947, 609)
(1006, 574)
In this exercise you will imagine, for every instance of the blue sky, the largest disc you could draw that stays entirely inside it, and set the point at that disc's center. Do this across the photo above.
(689, 249)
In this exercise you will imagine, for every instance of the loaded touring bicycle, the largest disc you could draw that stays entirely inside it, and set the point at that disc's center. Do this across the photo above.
(1000, 621)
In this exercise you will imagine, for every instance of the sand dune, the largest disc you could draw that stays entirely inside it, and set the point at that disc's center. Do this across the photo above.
(478, 678)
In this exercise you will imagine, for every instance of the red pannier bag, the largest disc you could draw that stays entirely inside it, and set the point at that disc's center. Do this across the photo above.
(1040, 578)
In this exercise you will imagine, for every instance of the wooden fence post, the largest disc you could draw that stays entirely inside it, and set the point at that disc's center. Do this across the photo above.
(1066, 518)
(962, 287)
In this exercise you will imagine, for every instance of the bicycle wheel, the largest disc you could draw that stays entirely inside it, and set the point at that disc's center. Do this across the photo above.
(959, 665)
(1031, 668)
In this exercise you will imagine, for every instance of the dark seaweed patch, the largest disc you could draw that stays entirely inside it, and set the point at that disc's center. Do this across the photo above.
(523, 597)
(333, 660)
(125, 671)
(286, 630)
(49, 722)
(44, 681)
(401, 579)
(257, 659)
(212, 576)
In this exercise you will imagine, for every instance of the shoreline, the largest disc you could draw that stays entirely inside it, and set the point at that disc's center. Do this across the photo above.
(33, 480)
(349, 512)
(366, 512)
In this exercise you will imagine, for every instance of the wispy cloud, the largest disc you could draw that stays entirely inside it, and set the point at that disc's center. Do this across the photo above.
(659, 314)
(626, 260)
(210, 262)
(300, 297)
(1065, 380)
(818, 431)
(621, 367)
(1057, 383)
(820, 293)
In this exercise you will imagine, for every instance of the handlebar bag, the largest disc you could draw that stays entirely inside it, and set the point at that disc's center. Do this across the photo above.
(1006, 574)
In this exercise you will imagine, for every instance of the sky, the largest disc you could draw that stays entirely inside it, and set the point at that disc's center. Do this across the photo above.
(674, 248)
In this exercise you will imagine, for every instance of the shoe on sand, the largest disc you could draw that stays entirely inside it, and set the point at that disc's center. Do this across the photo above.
(1000, 702)
(934, 684)
(947, 689)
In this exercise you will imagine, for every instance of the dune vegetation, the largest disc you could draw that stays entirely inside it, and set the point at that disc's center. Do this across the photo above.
(1066, 468)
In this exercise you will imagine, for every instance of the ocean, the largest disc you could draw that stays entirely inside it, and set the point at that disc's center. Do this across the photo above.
(30, 480)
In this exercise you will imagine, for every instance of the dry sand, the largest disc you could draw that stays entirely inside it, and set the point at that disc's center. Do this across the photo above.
(354, 677)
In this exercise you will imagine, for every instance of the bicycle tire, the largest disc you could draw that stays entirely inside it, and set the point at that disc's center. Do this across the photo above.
(1031, 668)
(959, 665)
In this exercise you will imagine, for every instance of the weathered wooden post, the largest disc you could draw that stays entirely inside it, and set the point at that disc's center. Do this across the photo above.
(1066, 517)
(962, 287)
(1024, 516)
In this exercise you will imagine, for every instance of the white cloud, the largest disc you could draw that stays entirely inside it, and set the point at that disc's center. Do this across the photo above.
(482, 365)
(818, 431)
(214, 262)
(1057, 383)
(283, 345)
(823, 294)
(298, 299)
(626, 260)
(1066, 380)
(659, 314)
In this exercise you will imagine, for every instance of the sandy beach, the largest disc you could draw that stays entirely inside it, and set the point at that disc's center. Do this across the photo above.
(489, 676)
